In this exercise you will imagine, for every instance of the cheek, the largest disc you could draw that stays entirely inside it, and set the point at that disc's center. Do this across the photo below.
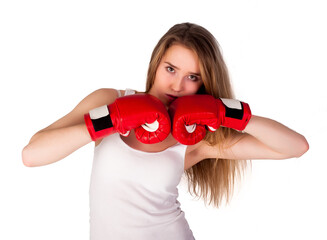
(193, 87)
(162, 79)
(159, 82)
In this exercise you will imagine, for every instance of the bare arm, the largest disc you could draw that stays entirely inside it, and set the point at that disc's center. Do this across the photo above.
(278, 138)
(66, 135)
(263, 139)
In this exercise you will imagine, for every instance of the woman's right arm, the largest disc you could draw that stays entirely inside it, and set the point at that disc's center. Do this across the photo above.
(66, 135)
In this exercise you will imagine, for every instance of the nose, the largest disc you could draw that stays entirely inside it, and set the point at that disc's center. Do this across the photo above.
(177, 84)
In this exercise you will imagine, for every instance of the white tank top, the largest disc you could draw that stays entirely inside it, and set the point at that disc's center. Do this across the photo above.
(133, 194)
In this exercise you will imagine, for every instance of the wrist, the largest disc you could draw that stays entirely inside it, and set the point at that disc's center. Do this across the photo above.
(235, 114)
(98, 123)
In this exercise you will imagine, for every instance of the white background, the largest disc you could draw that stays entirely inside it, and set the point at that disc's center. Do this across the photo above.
(54, 53)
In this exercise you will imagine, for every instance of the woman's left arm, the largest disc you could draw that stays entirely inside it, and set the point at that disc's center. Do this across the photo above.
(263, 138)
(277, 137)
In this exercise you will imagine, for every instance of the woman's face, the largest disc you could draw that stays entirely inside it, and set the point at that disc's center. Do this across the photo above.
(178, 74)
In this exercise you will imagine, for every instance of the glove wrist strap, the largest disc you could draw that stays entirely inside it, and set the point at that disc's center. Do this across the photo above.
(99, 123)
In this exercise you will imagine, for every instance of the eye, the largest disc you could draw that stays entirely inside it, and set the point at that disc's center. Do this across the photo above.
(193, 78)
(170, 69)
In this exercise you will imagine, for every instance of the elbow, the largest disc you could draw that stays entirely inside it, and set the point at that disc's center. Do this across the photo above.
(302, 147)
(295, 149)
(27, 157)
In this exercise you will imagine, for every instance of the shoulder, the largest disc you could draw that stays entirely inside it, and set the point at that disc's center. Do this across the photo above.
(104, 94)
(110, 93)
(99, 97)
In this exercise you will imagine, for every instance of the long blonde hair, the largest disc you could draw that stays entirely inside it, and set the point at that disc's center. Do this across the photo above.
(211, 179)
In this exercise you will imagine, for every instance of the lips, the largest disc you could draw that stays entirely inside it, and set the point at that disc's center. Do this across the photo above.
(171, 98)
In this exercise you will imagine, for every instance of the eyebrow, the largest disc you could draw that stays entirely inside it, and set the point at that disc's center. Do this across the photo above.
(196, 74)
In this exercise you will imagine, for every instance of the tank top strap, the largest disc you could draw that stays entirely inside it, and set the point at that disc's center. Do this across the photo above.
(129, 91)
(119, 93)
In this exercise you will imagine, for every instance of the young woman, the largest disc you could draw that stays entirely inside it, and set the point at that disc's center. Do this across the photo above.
(133, 193)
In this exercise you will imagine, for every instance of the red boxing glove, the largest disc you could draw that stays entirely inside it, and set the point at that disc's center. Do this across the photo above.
(191, 114)
(144, 113)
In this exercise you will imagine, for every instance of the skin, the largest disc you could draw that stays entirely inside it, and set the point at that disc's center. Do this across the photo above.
(178, 74)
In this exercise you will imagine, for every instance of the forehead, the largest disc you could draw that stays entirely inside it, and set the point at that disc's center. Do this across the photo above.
(181, 56)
